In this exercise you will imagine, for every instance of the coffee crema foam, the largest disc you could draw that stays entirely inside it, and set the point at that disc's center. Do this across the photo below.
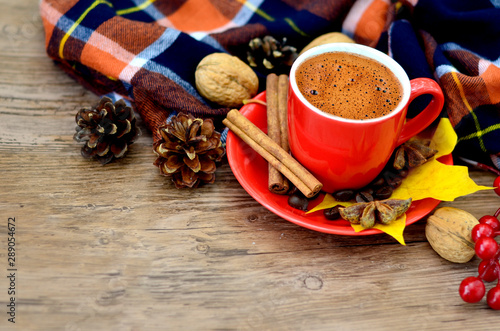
(349, 85)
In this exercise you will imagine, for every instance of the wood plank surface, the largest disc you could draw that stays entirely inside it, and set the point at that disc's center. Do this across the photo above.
(117, 247)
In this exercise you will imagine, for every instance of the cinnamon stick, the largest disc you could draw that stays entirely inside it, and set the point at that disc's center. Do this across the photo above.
(283, 110)
(277, 183)
(272, 153)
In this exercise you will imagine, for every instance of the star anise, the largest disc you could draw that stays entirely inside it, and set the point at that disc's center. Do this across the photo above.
(368, 213)
(413, 153)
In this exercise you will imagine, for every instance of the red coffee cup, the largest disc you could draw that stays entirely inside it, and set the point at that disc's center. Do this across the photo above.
(345, 153)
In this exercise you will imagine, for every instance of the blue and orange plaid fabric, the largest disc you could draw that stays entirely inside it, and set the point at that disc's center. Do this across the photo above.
(147, 51)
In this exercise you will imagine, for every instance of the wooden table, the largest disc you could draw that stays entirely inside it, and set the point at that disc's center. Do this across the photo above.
(117, 247)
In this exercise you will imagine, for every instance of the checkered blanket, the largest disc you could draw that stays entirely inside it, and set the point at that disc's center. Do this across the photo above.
(146, 51)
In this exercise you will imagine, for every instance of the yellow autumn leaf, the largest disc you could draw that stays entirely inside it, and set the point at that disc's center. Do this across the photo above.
(444, 138)
(437, 180)
(329, 202)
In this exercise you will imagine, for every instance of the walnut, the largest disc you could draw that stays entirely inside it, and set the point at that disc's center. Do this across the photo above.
(448, 231)
(225, 80)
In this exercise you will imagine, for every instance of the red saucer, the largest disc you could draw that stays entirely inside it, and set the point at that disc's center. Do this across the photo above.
(250, 169)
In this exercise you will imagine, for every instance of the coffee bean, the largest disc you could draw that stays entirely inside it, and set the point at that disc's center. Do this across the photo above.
(343, 195)
(383, 193)
(394, 181)
(378, 182)
(298, 201)
(332, 213)
(364, 196)
(367, 189)
(403, 173)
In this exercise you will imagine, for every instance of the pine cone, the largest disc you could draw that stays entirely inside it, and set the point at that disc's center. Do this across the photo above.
(107, 130)
(269, 55)
(188, 151)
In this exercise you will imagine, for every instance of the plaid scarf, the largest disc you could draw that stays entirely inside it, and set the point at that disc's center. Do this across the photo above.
(146, 51)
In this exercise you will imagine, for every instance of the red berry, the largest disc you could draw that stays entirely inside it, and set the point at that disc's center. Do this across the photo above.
(493, 298)
(471, 289)
(481, 230)
(486, 248)
(488, 270)
(496, 185)
(491, 221)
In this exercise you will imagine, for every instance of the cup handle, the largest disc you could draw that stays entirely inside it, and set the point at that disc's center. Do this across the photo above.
(421, 86)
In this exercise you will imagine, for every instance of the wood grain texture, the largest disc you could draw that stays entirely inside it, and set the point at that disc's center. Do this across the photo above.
(117, 247)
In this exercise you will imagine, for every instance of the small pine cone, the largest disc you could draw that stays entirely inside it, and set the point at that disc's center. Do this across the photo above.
(106, 129)
(188, 150)
(270, 55)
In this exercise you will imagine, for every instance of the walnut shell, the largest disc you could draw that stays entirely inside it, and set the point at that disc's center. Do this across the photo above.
(225, 80)
(327, 38)
(448, 231)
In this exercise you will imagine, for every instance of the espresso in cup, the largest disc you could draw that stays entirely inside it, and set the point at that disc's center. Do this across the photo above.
(349, 85)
